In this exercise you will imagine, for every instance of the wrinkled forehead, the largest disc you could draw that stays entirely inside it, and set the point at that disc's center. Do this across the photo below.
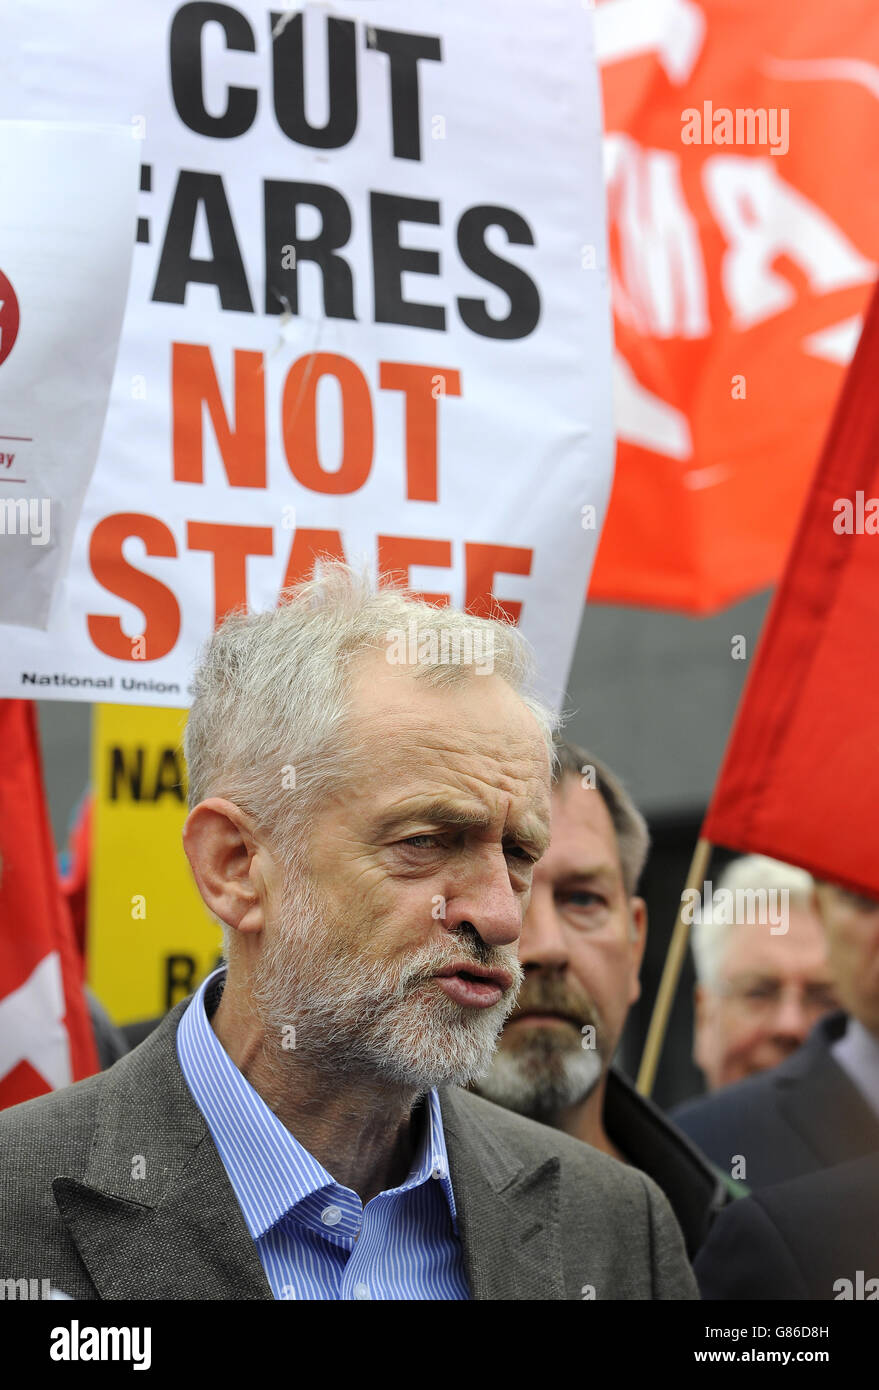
(474, 736)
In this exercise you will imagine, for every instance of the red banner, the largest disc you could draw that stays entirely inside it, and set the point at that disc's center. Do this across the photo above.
(800, 774)
(741, 150)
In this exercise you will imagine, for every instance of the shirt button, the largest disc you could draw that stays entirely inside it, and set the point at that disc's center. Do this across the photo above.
(331, 1216)
(438, 1172)
(361, 1291)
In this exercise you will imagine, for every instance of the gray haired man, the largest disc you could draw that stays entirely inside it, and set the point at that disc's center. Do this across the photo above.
(763, 977)
(366, 830)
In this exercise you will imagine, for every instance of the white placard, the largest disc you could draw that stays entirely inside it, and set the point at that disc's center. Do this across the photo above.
(368, 315)
(67, 210)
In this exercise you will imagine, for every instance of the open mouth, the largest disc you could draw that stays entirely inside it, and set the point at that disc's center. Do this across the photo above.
(473, 986)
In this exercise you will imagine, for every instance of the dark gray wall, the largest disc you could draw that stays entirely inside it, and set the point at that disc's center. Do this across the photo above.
(654, 695)
(65, 740)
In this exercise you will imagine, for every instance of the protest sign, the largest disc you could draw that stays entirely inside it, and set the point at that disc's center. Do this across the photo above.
(150, 937)
(368, 317)
(68, 193)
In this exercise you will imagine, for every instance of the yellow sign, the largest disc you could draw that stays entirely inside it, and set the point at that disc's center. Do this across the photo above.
(151, 939)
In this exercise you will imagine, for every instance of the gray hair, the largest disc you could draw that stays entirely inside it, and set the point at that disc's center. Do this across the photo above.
(271, 693)
(748, 873)
(633, 837)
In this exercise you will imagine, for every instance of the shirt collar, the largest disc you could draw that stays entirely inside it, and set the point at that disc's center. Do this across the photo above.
(269, 1169)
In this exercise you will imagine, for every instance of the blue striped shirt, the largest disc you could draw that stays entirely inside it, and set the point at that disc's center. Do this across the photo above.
(314, 1237)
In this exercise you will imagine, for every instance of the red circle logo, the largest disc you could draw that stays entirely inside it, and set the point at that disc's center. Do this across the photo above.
(9, 318)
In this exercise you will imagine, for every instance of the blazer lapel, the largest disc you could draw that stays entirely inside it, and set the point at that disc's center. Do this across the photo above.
(155, 1215)
(508, 1211)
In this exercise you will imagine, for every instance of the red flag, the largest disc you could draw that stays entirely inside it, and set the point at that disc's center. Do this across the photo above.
(46, 1038)
(743, 216)
(801, 772)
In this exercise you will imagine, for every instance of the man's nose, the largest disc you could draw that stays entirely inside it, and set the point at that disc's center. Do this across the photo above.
(488, 904)
(543, 940)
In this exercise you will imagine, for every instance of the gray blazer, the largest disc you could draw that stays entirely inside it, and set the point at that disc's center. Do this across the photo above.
(540, 1215)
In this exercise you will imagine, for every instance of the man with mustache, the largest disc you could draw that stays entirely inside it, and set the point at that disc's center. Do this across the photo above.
(581, 949)
(366, 833)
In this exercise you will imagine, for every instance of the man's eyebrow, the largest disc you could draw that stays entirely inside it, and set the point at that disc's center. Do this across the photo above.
(435, 813)
(441, 813)
(756, 977)
(594, 871)
(530, 834)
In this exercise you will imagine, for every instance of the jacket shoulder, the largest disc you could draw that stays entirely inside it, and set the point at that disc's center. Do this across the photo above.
(53, 1131)
(52, 1135)
(41, 1140)
(740, 1106)
(59, 1136)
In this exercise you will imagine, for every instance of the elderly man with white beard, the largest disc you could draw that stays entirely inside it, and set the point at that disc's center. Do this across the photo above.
(581, 948)
(366, 833)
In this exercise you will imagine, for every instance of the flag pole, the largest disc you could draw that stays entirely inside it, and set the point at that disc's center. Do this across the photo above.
(671, 972)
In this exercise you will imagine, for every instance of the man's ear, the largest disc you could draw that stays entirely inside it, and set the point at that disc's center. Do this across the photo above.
(227, 862)
(637, 943)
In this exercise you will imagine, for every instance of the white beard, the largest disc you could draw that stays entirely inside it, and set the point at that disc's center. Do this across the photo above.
(359, 1016)
(515, 1081)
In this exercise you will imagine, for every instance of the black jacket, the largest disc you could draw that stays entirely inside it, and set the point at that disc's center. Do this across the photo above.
(695, 1190)
(806, 1239)
(803, 1115)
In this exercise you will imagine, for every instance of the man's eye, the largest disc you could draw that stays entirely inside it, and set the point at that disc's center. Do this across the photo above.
(583, 898)
(823, 999)
(764, 990)
(421, 841)
(519, 852)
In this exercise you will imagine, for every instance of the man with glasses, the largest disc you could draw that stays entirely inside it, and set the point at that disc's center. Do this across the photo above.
(761, 985)
(820, 1106)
